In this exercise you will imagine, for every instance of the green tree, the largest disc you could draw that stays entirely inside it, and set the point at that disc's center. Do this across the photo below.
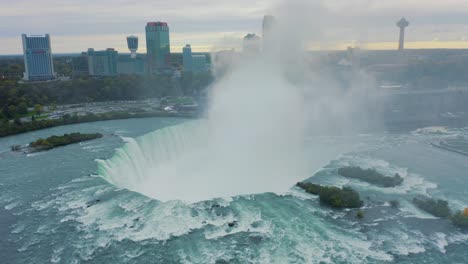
(17, 122)
(360, 214)
(22, 108)
(11, 111)
(38, 109)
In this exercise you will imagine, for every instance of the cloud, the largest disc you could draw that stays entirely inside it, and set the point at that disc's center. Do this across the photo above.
(362, 20)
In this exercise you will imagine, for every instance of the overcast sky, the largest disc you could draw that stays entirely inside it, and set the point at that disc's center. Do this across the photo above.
(75, 25)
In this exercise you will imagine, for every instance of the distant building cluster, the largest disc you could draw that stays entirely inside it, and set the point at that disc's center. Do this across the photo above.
(39, 64)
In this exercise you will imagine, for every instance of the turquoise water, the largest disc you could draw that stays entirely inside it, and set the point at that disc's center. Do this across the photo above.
(54, 207)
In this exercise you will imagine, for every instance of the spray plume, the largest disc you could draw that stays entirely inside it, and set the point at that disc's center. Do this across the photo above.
(262, 107)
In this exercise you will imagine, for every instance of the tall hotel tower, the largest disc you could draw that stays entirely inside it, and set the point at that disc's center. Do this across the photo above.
(38, 63)
(157, 45)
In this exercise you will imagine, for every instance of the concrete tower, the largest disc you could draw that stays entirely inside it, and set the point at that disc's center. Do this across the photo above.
(402, 24)
(132, 43)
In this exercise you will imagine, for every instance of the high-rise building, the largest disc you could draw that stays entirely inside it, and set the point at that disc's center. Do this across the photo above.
(198, 63)
(193, 63)
(102, 63)
(38, 63)
(251, 43)
(269, 23)
(132, 43)
(157, 45)
(187, 58)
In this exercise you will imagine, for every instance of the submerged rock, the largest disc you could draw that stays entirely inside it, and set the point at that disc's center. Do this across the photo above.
(89, 204)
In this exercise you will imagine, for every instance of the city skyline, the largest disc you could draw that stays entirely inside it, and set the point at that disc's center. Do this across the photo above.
(83, 25)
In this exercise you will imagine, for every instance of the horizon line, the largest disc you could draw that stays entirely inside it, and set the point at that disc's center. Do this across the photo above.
(309, 50)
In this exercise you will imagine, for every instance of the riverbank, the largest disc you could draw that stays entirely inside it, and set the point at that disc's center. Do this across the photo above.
(14, 128)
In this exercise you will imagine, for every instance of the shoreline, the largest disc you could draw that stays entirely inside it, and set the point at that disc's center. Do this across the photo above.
(44, 124)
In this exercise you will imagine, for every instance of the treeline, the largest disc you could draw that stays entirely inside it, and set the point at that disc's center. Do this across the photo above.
(12, 67)
(125, 87)
(15, 98)
(11, 128)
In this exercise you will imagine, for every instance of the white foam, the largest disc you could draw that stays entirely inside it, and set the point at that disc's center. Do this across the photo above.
(405, 242)
(55, 258)
(30, 155)
(244, 223)
(299, 194)
(440, 240)
(12, 205)
(431, 130)
(458, 238)
(412, 184)
(18, 229)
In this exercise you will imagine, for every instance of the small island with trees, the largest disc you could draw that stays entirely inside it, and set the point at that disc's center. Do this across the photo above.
(440, 208)
(58, 141)
(333, 196)
(371, 176)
